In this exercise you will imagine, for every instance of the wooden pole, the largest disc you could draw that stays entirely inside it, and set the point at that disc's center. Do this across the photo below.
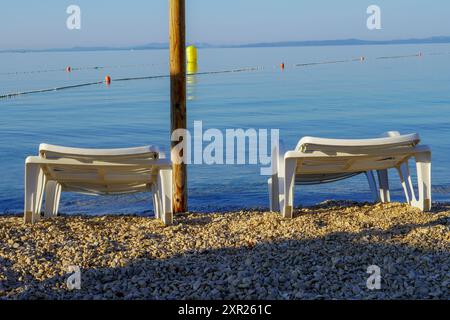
(177, 30)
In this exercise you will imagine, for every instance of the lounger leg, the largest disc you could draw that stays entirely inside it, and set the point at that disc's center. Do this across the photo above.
(52, 197)
(405, 179)
(274, 196)
(156, 200)
(373, 185)
(423, 163)
(384, 185)
(289, 184)
(269, 185)
(155, 204)
(34, 191)
(165, 176)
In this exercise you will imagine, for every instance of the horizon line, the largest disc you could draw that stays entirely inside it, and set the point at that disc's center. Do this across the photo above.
(206, 45)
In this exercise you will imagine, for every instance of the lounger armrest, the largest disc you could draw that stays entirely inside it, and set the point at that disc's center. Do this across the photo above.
(412, 150)
(162, 154)
(162, 163)
(300, 155)
(32, 159)
(297, 154)
(422, 148)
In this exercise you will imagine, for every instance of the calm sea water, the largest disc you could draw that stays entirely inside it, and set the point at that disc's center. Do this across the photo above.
(336, 100)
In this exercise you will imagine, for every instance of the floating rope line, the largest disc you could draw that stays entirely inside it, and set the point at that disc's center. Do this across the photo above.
(197, 73)
(247, 69)
(250, 69)
(79, 69)
(116, 67)
(439, 53)
(359, 59)
(30, 72)
(15, 94)
(400, 57)
(325, 62)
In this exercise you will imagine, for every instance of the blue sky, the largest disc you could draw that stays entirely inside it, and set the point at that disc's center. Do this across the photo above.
(42, 24)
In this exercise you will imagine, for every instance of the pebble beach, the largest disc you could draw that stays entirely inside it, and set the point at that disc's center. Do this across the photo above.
(323, 253)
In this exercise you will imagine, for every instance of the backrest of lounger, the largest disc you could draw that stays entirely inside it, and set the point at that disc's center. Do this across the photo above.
(356, 146)
(101, 178)
(49, 151)
(332, 156)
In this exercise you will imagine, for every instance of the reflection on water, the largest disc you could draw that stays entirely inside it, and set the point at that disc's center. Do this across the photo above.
(192, 69)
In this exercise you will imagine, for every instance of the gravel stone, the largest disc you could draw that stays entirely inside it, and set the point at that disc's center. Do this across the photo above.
(323, 253)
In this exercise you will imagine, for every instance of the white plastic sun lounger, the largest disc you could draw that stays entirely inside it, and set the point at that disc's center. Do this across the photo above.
(96, 172)
(317, 160)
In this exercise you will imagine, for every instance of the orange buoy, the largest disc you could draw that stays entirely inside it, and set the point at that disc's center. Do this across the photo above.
(68, 69)
(282, 66)
(108, 80)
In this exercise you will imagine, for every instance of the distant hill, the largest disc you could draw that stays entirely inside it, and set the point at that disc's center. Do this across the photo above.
(344, 42)
(310, 43)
